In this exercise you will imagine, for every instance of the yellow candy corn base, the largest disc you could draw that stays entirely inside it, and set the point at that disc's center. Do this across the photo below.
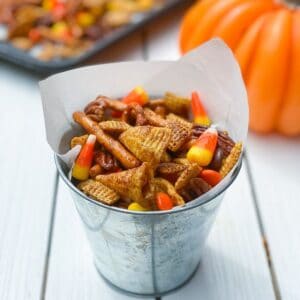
(200, 156)
(80, 173)
(136, 207)
(202, 121)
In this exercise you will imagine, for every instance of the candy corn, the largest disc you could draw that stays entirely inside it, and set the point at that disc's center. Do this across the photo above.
(134, 206)
(85, 19)
(212, 177)
(61, 31)
(200, 115)
(137, 95)
(48, 4)
(34, 35)
(59, 9)
(163, 201)
(203, 150)
(84, 160)
(56, 7)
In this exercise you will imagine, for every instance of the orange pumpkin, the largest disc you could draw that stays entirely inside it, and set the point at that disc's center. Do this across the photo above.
(265, 37)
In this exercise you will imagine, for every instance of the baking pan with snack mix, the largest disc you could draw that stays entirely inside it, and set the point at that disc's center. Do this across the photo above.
(145, 154)
(52, 35)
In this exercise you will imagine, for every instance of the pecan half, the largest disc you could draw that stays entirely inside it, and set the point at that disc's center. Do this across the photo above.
(195, 188)
(106, 161)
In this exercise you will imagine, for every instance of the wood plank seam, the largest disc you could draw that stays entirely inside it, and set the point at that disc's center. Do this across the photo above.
(50, 236)
(261, 228)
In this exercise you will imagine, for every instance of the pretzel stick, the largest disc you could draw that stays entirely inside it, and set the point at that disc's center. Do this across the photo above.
(111, 145)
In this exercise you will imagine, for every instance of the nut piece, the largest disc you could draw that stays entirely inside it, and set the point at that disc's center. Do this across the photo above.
(231, 159)
(98, 191)
(217, 160)
(106, 161)
(195, 188)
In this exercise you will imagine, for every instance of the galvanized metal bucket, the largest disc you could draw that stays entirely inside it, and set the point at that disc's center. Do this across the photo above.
(147, 253)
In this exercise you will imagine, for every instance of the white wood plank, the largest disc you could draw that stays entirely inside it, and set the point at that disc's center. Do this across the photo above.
(275, 165)
(233, 265)
(26, 184)
(71, 273)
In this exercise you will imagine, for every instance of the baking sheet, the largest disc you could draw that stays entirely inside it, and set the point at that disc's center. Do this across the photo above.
(24, 59)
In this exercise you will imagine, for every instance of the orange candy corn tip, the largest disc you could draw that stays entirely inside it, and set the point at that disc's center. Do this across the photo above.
(84, 160)
(203, 150)
(163, 201)
(212, 177)
(199, 112)
(137, 95)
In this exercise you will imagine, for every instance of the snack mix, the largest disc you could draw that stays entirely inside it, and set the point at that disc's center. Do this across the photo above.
(145, 154)
(53, 29)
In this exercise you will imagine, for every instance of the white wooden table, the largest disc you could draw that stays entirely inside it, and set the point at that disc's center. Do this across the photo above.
(253, 251)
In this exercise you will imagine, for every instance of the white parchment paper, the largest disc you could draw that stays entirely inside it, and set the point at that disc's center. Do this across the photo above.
(210, 69)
